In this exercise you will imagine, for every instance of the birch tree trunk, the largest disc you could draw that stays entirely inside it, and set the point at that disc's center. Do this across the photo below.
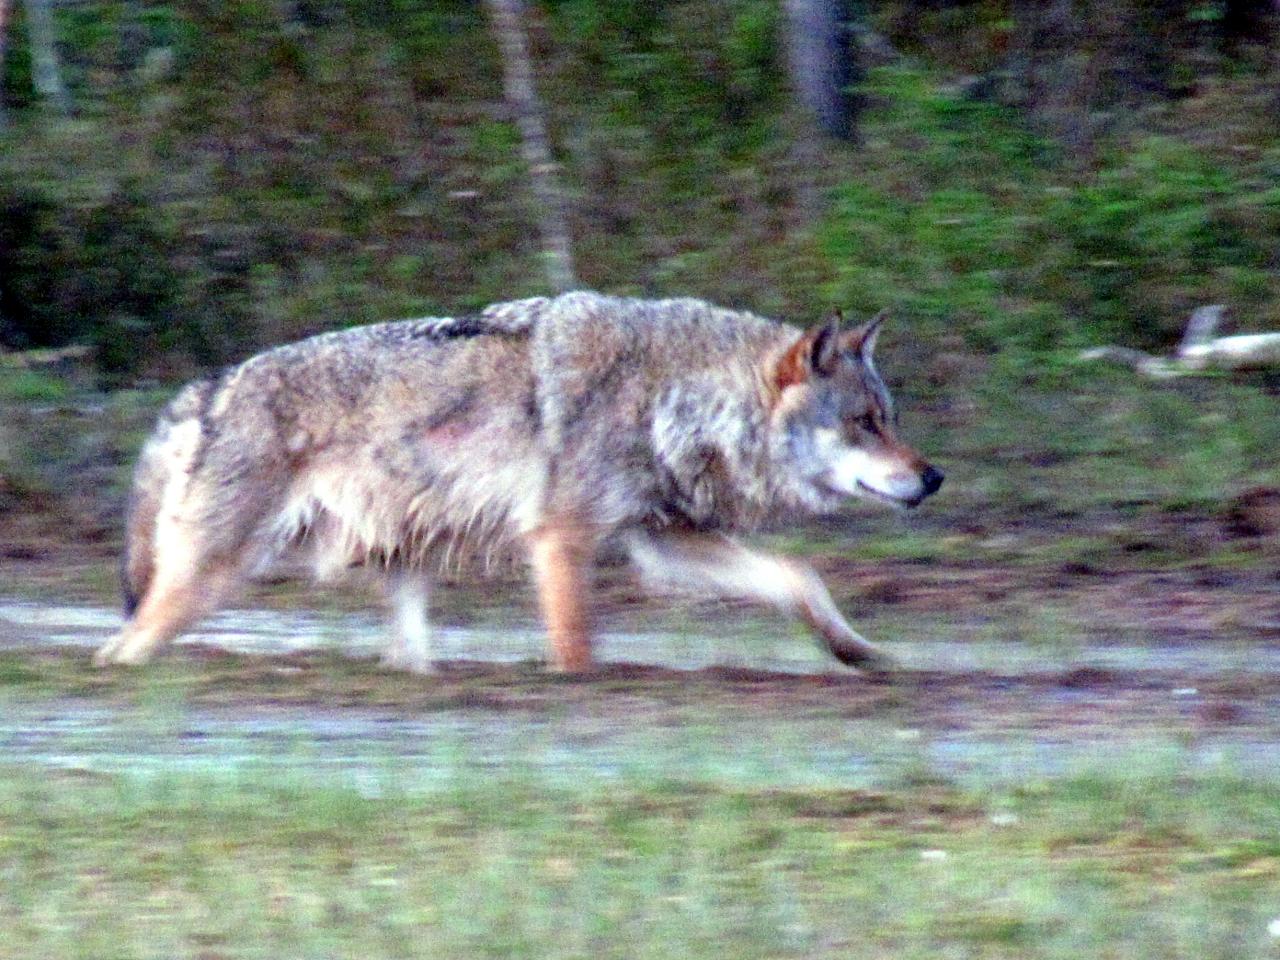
(820, 70)
(4, 33)
(517, 68)
(44, 57)
(820, 64)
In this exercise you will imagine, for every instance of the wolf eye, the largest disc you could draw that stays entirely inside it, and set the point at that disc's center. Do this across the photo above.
(866, 422)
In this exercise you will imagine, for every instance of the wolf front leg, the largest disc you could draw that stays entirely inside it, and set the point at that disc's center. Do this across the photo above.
(410, 645)
(716, 565)
(562, 554)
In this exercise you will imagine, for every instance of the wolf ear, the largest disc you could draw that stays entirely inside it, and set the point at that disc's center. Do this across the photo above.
(862, 340)
(826, 346)
(817, 352)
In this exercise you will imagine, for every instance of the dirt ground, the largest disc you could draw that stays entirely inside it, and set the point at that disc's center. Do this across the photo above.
(1165, 602)
(1071, 700)
(1199, 642)
(1199, 666)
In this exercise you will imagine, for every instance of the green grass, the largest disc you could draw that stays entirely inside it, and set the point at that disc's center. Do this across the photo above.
(500, 864)
(31, 386)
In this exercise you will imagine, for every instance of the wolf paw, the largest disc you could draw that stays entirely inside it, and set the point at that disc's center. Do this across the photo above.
(881, 668)
(115, 653)
(865, 658)
(105, 655)
(407, 663)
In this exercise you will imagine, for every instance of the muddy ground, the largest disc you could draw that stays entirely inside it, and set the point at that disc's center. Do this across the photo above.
(1006, 673)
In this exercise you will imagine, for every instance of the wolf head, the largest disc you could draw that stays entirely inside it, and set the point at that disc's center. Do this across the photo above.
(834, 425)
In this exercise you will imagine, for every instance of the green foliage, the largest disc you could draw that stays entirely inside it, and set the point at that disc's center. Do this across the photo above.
(672, 119)
(16, 88)
(1159, 230)
(701, 79)
(298, 169)
(96, 272)
(940, 224)
(965, 221)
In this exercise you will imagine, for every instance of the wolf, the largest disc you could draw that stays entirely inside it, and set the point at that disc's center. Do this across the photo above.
(542, 428)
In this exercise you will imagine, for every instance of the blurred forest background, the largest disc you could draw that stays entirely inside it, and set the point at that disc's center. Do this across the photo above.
(1018, 180)
(1079, 759)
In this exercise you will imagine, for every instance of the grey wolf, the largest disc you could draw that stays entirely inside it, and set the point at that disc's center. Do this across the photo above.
(543, 427)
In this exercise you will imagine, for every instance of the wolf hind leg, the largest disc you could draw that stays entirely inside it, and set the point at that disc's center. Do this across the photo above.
(410, 646)
(174, 600)
(718, 566)
(206, 539)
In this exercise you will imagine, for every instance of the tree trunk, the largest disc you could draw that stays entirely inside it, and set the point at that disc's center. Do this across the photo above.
(821, 66)
(517, 68)
(44, 57)
(1247, 21)
(4, 33)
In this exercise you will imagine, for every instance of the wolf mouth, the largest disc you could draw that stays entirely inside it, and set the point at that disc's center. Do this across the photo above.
(900, 503)
(889, 498)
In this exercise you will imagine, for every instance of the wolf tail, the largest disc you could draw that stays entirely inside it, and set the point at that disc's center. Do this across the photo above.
(168, 452)
(138, 564)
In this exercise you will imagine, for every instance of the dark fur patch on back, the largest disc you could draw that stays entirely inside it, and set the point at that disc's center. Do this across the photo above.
(208, 389)
(191, 401)
(457, 408)
(532, 412)
(452, 328)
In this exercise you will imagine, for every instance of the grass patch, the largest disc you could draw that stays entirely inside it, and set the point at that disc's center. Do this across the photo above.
(31, 386)
(501, 864)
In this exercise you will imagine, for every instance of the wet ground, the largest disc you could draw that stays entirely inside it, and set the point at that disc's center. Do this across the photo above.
(728, 697)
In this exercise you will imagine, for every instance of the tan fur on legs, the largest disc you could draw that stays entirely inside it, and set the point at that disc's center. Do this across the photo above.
(716, 565)
(562, 556)
(171, 604)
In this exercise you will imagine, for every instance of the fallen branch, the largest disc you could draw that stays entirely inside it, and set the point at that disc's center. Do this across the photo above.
(1199, 350)
(42, 356)
(1147, 363)
(1201, 327)
(1241, 352)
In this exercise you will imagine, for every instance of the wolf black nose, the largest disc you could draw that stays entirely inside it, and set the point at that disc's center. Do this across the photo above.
(932, 479)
